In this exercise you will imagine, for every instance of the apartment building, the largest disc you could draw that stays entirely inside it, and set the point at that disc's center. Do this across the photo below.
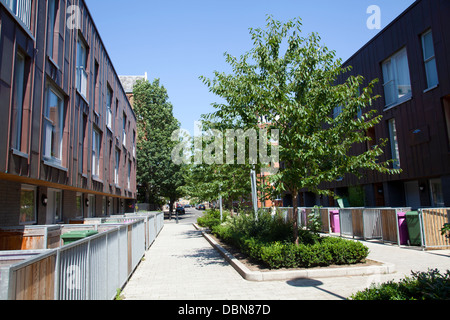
(67, 129)
(411, 59)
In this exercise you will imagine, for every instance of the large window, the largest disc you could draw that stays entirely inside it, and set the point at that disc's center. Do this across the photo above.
(429, 59)
(96, 143)
(18, 126)
(28, 205)
(81, 68)
(393, 139)
(397, 81)
(54, 126)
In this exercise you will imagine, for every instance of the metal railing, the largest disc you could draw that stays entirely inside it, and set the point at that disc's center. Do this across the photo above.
(89, 269)
(21, 9)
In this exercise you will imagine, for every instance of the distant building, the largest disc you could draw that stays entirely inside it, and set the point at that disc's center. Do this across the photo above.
(67, 129)
(128, 83)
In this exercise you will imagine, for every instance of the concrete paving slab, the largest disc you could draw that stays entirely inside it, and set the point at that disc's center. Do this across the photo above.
(182, 265)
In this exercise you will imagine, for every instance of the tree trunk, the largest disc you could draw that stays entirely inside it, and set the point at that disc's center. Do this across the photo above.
(295, 216)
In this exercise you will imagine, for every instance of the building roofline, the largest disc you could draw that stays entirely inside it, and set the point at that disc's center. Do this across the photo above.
(379, 34)
(107, 54)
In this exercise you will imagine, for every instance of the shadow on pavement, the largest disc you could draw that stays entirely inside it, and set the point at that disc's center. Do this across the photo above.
(303, 283)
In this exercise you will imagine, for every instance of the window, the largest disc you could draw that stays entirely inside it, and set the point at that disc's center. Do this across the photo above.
(79, 204)
(53, 126)
(82, 132)
(447, 116)
(54, 206)
(81, 68)
(104, 206)
(52, 14)
(58, 206)
(18, 125)
(129, 176)
(437, 198)
(134, 144)
(116, 168)
(96, 140)
(27, 205)
(124, 130)
(397, 83)
(91, 206)
(21, 8)
(109, 113)
(395, 153)
(337, 111)
(429, 59)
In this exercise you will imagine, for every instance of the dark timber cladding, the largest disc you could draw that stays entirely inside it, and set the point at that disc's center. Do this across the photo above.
(416, 113)
(67, 129)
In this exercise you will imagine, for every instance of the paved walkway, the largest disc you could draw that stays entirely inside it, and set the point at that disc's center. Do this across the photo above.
(182, 265)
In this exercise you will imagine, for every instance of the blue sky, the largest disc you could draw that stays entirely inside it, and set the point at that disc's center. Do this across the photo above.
(178, 41)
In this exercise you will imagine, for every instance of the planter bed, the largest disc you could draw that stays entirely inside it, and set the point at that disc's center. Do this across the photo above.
(254, 271)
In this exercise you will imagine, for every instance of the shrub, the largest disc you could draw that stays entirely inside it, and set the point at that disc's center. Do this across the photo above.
(211, 219)
(431, 285)
(270, 242)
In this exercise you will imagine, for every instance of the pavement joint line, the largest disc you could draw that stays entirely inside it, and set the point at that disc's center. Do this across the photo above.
(258, 276)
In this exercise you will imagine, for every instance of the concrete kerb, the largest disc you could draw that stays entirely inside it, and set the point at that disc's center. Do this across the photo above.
(249, 275)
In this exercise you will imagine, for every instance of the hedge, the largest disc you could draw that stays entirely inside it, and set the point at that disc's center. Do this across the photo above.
(316, 252)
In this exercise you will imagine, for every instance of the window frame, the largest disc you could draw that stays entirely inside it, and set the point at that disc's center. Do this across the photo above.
(431, 59)
(17, 121)
(50, 157)
(393, 74)
(33, 189)
(394, 143)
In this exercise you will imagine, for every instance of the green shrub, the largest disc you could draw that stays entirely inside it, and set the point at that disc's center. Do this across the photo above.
(269, 240)
(211, 219)
(431, 285)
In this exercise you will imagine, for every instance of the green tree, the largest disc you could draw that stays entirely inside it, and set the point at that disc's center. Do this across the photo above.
(157, 175)
(292, 81)
(205, 181)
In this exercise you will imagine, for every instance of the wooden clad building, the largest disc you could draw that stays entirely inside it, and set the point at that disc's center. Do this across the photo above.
(411, 59)
(67, 129)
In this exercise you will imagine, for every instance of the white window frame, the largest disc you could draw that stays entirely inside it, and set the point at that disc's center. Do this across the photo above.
(431, 60)
(82, 55)
(116, 167)
(109, 113)
(391, 78)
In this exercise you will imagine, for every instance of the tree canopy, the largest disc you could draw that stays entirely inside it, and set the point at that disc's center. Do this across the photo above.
(291, 81)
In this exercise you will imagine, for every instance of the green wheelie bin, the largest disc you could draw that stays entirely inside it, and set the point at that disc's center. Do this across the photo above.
(413, 222)
(74, 236)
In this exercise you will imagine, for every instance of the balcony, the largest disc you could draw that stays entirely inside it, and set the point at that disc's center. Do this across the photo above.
(21, 9)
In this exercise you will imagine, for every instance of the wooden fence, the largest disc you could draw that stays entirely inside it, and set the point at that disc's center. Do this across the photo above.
(433, 221)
